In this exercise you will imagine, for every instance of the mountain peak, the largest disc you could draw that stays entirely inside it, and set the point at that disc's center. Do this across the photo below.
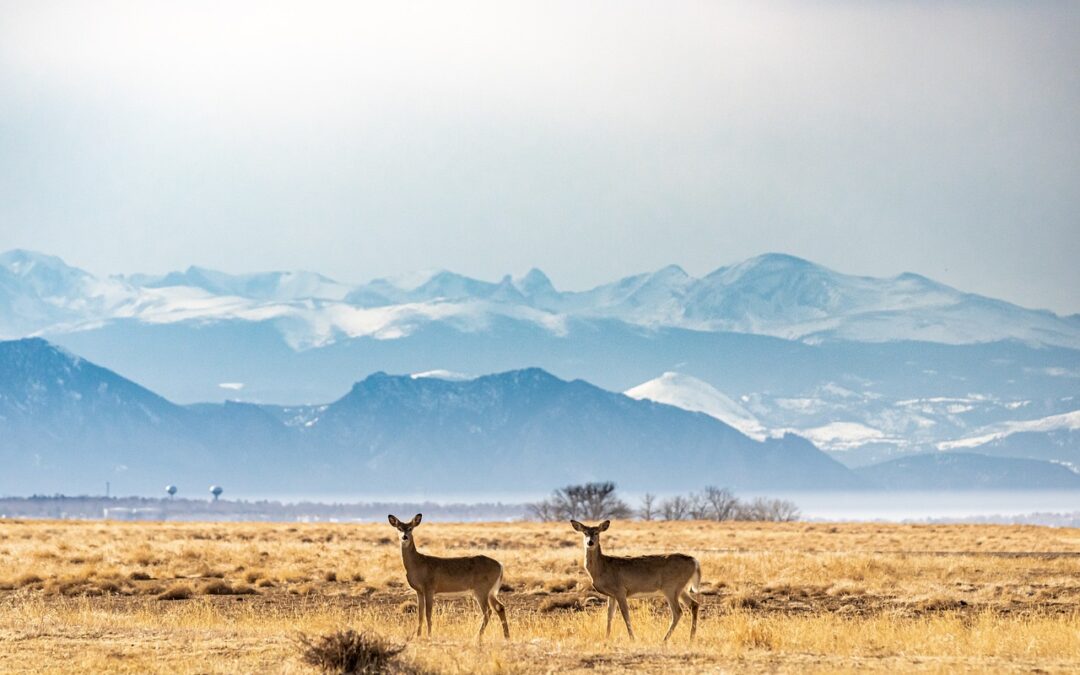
(535, 282)
(22, 261)
(690, 393)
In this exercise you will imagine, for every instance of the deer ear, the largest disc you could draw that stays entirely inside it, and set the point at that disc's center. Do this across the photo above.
(577, 526)
(605, 525)
(416, 519)
(393, 520)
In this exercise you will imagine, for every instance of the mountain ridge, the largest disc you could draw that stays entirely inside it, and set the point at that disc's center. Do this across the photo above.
(772, 294)
(525, 428)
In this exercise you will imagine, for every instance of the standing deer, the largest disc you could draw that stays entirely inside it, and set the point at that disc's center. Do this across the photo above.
(674, 574)
(429, 575)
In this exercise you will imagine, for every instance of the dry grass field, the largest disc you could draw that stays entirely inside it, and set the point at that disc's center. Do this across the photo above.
(779, 597)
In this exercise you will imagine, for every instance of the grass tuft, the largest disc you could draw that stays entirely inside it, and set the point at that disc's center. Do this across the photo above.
(346, 651)
(177, 592)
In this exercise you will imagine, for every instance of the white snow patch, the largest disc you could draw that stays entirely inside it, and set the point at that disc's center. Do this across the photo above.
(843, 435)
(440, 374)
(690, 393)
(1069, 420)
(232, 386)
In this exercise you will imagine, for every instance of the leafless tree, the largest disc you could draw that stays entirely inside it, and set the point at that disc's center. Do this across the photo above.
(697, 507)
(590, 501)
(765, 509)
(648, 511)
(675, 508)
(722, 504)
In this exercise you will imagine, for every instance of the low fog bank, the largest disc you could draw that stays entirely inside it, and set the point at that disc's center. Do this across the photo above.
(1060, 509)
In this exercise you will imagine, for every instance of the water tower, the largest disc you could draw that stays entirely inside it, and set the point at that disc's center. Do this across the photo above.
(216, 491)
(171, 489)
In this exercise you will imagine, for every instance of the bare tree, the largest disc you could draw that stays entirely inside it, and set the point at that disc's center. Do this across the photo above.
(674, 508)
(765, 509)
(590, 501)
(543, 510)
(783, 511)
(722, 504)
(648, 511)
(697, 507)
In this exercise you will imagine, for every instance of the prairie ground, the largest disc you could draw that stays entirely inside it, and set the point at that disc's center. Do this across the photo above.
(778, 597)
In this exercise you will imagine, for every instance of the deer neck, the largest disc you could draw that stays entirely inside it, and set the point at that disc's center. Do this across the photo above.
(409, 555)
(594, 559)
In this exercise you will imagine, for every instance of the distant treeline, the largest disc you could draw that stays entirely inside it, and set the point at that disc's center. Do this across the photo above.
(598, 501)
(152, 508)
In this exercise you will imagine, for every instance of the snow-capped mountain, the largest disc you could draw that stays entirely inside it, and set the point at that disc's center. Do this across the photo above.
(266, 286)
(773, 294)
(690, 393)
(69, 425)
(866, 368)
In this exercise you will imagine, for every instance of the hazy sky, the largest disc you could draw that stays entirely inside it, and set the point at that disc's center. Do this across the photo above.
(592, 140)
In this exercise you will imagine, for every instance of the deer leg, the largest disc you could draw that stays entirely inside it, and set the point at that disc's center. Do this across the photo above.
(625, 609)
(485, 610)
(610, 613)
(694, 607)
(676, 613)
(497, 605)
(429, 602)
(419, 613)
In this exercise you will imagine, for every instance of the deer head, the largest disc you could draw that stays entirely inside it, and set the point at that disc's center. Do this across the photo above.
(405, 528)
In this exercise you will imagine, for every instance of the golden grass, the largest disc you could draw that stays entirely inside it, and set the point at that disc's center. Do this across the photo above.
(790, 597)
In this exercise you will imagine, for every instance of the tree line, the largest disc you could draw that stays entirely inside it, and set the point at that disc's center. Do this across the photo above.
(599, 501)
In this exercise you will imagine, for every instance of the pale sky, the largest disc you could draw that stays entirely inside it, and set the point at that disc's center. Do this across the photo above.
(590, 139)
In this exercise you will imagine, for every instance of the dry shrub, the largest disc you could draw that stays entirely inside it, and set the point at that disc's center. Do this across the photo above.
(845, 587)
(304, 589)
(223, 588)
(80, 585)
(560, 585)
(330, 576)
(27, 580)
(139, 576)
(572, 604)
(265, 583)
(407, 607)
(939, 604)
(347, 651)
(742, 600)
(177, 592)
(356, 576)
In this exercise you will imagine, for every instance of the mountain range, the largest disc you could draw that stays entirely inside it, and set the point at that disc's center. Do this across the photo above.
(774, 294)
(68, 425)
(866, 368)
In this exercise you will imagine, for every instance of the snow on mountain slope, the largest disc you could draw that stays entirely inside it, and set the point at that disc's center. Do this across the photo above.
(775, 295)
(441, 374)
(38, 290)
(1066, 421)
(690, 393)
(840, 436)
(280, 286)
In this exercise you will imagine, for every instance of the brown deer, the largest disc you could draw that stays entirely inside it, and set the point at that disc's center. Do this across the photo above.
(674, 575)
(429, 575)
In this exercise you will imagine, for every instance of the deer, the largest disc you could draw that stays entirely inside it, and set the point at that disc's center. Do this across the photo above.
(675, 575)
(430, 575)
